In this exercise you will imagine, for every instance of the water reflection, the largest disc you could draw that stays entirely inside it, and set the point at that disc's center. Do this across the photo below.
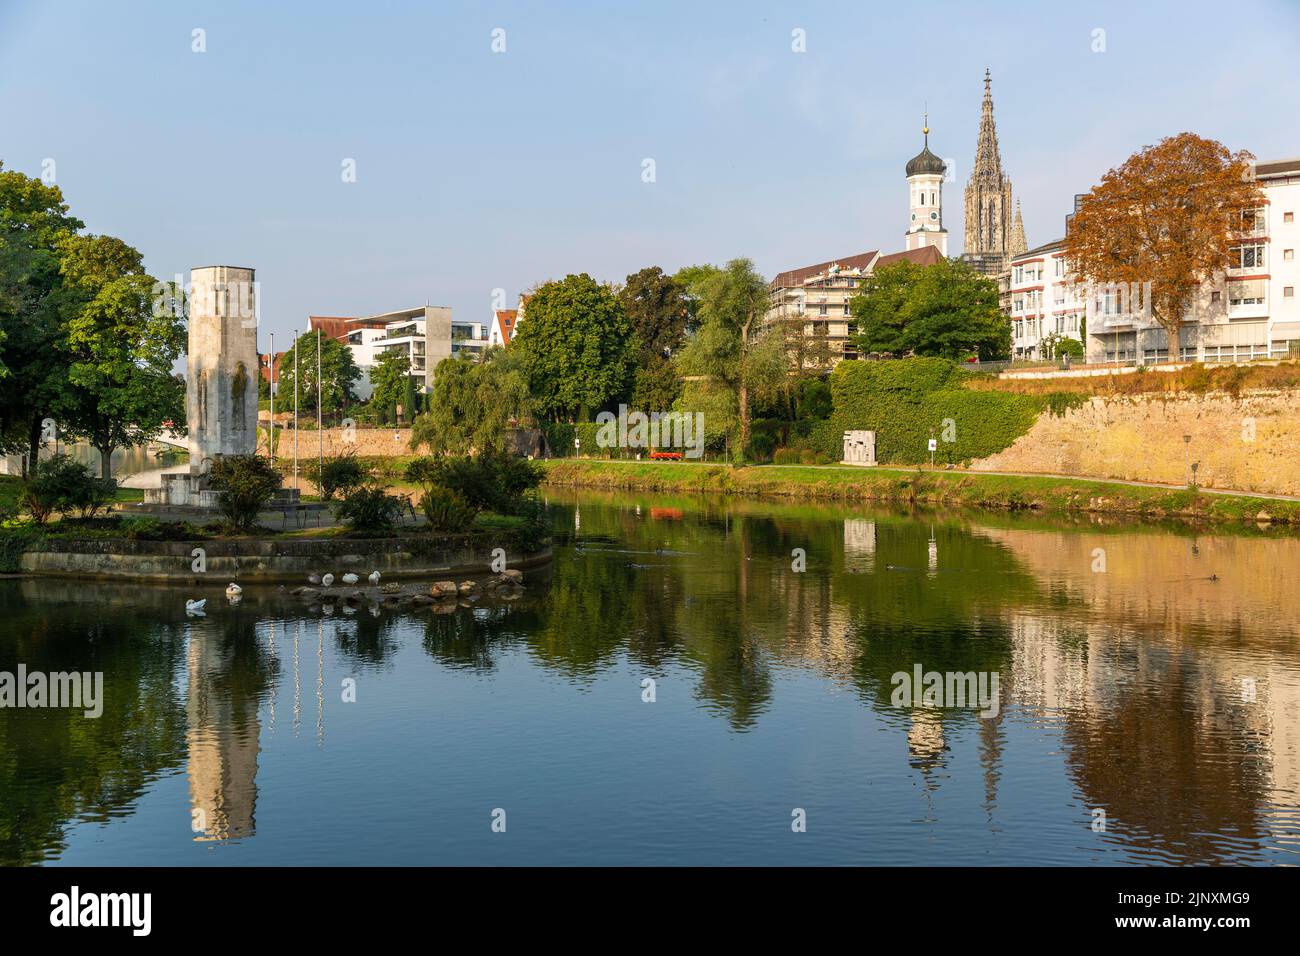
(1160, 684)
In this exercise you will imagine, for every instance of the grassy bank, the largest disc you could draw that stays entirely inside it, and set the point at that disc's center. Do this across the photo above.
(999, 492)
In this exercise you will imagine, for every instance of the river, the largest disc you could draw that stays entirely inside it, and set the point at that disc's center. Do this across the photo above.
(693, 681)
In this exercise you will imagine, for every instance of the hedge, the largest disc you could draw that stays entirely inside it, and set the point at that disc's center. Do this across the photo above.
(908, 401)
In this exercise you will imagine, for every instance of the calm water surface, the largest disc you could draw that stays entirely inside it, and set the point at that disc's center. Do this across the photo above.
(1156, 679)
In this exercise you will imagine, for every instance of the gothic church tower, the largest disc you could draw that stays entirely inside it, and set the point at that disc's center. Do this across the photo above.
(989, 213)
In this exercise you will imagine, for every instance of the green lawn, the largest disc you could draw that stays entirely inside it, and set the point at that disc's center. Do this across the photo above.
(1003, 492)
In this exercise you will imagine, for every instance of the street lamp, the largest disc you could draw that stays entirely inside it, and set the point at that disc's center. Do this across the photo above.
(1187, 457)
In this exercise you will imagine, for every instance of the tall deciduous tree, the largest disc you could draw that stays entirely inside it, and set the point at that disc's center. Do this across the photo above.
(730, 350)
(576, 348)
(33, 219)
(473, 403)
(660, 310)
(1169, 216)
(339, 373)
(122, 340)
(389, 378)
(947, 310)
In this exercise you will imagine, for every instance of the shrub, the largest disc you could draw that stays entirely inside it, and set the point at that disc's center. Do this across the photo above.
(337, 476)
(492, 481)
(62, 484)
(906, 401)
(446, 510)
(246, 483)
(370, 510)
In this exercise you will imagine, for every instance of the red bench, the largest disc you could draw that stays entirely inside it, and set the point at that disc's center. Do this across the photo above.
(666, 455)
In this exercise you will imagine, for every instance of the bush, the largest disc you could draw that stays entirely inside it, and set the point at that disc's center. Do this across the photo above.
(492, 481)
(337, 476)
(906, 401)
(446, 510)
(370, 510)
(62, 484)
(246, 483)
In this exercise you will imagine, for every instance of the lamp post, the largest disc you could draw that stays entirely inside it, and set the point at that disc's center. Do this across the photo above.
(271, 374)
(1187, 457)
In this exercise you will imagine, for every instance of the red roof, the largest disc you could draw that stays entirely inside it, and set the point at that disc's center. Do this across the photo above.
(925, 256)
(795, 277)
(338, 326)
(506, 318)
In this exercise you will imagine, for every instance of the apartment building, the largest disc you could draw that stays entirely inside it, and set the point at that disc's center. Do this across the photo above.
(1252, 312)
(819, 295)
(1045, 303)
(426, 335)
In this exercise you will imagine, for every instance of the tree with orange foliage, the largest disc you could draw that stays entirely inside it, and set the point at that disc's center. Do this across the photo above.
(1170, 216)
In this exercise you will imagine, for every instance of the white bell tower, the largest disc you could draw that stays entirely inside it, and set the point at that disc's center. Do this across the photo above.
(925, 174)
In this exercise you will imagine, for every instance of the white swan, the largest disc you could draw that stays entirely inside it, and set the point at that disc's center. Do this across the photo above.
(350, 578)
(327, 579)
(233, 590)
(374, 578)
(195, 608)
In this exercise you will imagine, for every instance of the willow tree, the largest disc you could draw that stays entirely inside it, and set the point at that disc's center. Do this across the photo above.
(1170, 216)
(732, 349)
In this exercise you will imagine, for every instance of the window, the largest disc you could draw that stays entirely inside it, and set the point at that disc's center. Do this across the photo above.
(1249, 256)
(1288, 292)
(1250, 292)
(1020, 274)
(1288, 217)
(1288, 254)
(1216, 296)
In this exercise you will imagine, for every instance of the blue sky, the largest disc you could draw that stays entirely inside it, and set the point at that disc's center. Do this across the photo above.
(479, 170)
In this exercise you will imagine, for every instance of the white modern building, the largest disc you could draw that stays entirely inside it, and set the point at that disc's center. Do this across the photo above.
(426, 335)
(1251, 313)
(1046, 304)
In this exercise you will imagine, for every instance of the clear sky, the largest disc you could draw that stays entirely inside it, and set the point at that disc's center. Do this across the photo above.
(478, 170)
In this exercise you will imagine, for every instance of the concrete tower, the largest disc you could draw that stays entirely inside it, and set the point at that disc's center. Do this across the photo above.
(925, 173)
(988, 198)
(221, 385)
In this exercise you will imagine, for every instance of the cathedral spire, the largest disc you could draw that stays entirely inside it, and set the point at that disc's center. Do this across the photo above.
(1017, 245)
(988, 159)
(989, 209)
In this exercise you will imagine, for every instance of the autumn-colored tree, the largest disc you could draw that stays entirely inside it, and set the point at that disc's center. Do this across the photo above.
(1170, 216)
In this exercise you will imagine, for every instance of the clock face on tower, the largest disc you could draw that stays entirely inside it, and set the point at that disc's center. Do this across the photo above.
(913, 217)
(934, 215)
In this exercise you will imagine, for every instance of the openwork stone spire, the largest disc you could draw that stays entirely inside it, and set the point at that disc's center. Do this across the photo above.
(988, 198)
(1017, 245)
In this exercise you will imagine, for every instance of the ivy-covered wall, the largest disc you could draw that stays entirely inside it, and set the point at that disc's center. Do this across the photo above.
(906, 402)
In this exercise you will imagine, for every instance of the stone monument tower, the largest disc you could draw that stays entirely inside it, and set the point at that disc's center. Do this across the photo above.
(222, 365)
(221, 381)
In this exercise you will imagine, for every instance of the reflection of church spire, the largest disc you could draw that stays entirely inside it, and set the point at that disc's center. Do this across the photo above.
(991, 758)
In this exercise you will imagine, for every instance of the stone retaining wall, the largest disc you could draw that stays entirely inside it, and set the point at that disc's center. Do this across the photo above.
(1251, 443)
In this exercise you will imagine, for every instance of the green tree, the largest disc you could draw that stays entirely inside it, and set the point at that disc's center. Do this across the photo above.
(339, 373)
(730, 351)
(660, 309)
(389, 377)
(946, 310)
(33, 374)
(576, 348)
(122, 339)
(473, 403)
